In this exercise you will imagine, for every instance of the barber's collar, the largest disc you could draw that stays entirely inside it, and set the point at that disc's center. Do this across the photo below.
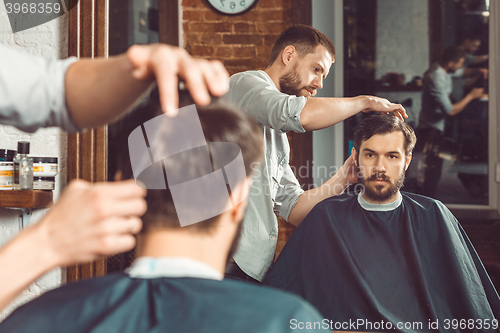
(380, 207)
(172, 267)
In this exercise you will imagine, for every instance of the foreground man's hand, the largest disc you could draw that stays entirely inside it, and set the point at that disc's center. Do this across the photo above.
(99, 91)
(165, 63)
(89, 220)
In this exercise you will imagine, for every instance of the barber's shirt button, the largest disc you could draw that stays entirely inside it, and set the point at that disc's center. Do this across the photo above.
(273, 237)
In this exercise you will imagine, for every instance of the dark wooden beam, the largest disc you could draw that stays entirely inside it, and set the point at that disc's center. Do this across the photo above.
(301, 143)
(168, 22)
(87, 151)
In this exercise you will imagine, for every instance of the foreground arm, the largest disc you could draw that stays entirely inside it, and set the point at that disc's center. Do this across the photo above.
(334, 186)
(86, 222)
(321, 112)
(98, 91)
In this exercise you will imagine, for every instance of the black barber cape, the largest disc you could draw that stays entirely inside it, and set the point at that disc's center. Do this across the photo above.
(118, 303)
(411, 264)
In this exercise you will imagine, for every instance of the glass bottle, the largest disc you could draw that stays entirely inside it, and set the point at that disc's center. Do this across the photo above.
(23, 167)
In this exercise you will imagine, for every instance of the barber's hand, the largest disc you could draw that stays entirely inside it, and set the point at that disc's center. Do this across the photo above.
(383, 105)
(166, 63)
(476, 93)
(90, 220)
(349, 170)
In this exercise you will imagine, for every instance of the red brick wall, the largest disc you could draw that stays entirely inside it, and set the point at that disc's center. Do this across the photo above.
(241, 42)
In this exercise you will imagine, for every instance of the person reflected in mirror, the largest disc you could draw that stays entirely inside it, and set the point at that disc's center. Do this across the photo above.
(282, 99)
(379, 255)
(437, 105)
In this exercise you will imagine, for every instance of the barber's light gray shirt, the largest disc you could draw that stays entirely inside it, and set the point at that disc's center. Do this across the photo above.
(274, 183)
(32, 91)
(436, 103)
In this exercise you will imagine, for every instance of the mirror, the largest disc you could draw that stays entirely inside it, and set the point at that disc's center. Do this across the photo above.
(387, 55)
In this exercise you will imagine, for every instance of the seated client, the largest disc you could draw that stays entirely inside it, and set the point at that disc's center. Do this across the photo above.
(385, 260)
(196, 167)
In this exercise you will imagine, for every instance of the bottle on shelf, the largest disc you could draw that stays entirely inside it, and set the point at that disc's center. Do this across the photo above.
(23, 167)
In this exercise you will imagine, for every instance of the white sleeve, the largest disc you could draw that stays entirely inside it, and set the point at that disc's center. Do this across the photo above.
(32, 91)
(266, 104)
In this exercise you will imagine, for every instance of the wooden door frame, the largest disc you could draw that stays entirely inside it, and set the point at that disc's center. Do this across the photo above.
(88, 151)
(301, 143)
(88, 31)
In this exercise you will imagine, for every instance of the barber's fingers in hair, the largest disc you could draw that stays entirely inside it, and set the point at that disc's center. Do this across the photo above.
(139, 57)
(119, 226)
(162, 61)
(120, 189)
(400, 112)
(122, 207)
(194, 71)
(216, 77)
(166, 64)
(113, 244)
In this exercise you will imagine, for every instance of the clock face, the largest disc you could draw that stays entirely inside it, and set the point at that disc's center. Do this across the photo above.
(232, 7)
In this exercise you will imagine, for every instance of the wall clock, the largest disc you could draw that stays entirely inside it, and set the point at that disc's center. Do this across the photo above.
(232, 7)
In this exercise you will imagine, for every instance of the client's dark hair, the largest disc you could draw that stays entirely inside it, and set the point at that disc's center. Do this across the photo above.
(380, 123)
(220, 122)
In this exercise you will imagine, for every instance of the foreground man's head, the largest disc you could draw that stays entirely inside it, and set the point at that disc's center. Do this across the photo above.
(221, 123)
(382, 150)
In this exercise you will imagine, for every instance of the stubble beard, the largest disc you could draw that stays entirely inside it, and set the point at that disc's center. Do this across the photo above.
(290, 83)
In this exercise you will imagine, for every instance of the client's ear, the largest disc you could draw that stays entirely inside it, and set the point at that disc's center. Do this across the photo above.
(354, 154)
(408, 160)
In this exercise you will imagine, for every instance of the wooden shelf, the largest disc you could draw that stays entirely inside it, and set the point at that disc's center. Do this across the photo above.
(25, 199)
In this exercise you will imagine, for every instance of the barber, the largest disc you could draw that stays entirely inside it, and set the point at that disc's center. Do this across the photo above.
(89, 220)
(281, 98)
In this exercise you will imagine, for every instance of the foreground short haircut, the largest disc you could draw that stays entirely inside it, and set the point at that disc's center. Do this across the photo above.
(382, 124)
(220, 122)
(304, 38)
(453, 54)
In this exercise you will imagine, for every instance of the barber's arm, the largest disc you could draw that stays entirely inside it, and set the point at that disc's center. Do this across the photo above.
(86, 222)
(322, 112)
(472, 95)
(334, 186)
(291, 113)
(472, 72)
(439, 93)
(98, 91)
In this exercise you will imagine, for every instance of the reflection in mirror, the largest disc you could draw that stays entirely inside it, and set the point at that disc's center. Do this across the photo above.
(130, 22)
(432, 57)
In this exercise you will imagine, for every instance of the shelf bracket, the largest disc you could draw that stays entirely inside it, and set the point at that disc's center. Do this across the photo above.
(24, 218)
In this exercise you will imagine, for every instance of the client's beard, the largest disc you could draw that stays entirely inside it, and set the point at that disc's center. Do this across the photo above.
(375, 192)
